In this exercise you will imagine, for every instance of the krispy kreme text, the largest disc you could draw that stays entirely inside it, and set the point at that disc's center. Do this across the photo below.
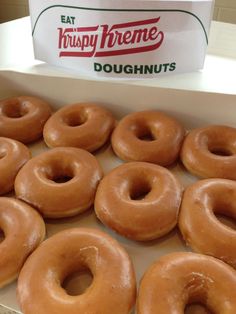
(105, 40)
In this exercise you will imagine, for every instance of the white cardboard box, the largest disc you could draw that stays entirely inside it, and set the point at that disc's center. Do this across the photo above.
(126, 39)
(192, 108)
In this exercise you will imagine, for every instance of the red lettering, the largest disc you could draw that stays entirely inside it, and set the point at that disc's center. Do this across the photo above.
(127, 37)
(119, 39)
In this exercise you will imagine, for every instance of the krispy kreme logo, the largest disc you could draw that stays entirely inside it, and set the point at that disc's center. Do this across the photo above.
(104, 40)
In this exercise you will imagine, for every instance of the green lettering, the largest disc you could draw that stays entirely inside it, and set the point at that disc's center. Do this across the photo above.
(72, 19)
(63, 18)
(67, 19)
(97, 67)
(172, 66)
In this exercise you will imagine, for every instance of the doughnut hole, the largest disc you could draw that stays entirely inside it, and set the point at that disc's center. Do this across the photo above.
(60, 173)
(76, 283)
(225, 212)
(196, 295)
(15, 109)
(145, 133)
(224, 152)
(76, 274)
(227, 220)
(2, 236)
(220, 148)
(74, 119)
(3, 152)
(139, 189)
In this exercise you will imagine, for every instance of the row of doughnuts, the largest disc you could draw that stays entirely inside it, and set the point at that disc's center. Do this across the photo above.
(154, 215)
(113, 288)
(27, 118)
(161, 206)
(40, 283)
(35, 183)
(41, 279)
(28, 286)
(149, 136)
(138, 200)
(169, 284)
(51, 175)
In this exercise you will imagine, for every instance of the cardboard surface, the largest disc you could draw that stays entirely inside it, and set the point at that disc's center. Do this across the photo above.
(193, 109)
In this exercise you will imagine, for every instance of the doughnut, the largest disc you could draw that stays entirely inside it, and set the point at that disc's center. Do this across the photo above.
(13, 155)
(210, 152)
(179, 279)
(22, 118)
(86, 126)
(139, 200)
(148, 136)
(23, 230)
(60, 182)
(200, 228)
(113, 289)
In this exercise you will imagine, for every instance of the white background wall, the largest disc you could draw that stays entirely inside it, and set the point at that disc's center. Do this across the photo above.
(225, 10)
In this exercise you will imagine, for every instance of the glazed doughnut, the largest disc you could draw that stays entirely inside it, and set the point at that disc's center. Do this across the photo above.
(139, 200)
(60, 182)
(178, 279)
(22, 118)
(113, 288)
(198, 224)
(210, 152)
(86, 126)
(13, 155)
(23, 230)
(148, 136)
